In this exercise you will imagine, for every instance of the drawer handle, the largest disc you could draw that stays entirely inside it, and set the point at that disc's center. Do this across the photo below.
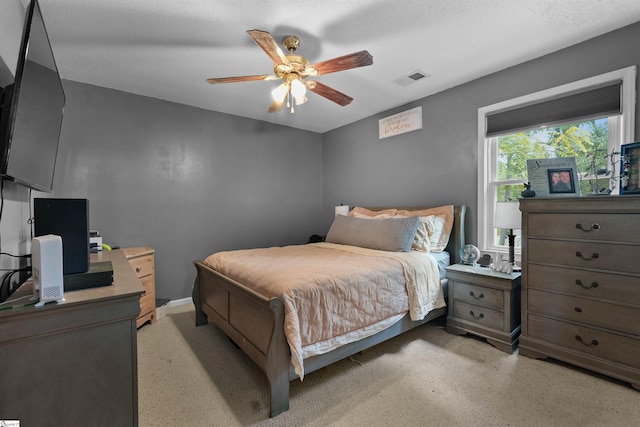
(476, 297)
(481, 316)
(593, 343)
(138, 269)
(594, 227)
(593, 256)
(578, 310)
(592, 286)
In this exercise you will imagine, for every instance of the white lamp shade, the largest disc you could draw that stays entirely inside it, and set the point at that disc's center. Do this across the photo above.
(508, 215)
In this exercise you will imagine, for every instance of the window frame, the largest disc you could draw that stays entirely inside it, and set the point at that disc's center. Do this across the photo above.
(621, 132)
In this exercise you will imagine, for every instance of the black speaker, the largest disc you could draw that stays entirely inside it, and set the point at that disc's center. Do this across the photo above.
(69, 219)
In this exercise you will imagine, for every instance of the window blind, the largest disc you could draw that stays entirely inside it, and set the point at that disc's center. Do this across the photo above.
(602, 101)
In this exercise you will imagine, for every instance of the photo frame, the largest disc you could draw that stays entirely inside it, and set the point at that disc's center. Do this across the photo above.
(630, 167)
(561, 181)
(556, 177)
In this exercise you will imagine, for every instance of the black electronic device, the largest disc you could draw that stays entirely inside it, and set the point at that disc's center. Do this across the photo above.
(31, 110)
(69, 219)
(99, 274)
(485, 260)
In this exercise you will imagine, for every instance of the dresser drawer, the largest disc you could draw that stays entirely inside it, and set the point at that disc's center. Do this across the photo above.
(602, 256)
(143, 266)
(587, 340)
(479, 295)
(588, 311)
(148, 284)
(613, 287)
(480, 315)
(609, 227)
(147, 304)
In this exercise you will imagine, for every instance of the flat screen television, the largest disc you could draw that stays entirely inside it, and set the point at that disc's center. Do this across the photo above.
(32, 109)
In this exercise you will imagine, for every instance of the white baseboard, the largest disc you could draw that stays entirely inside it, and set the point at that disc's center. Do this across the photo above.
(182, 301)
(162, 310)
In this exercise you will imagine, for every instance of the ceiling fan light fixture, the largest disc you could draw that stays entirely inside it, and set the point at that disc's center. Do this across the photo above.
(294, 69)
(279, 93)
(298, 91)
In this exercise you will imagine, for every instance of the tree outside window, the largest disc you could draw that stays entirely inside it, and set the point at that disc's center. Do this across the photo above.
(587, 141)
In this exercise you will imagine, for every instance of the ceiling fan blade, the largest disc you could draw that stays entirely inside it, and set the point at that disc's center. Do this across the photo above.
(329, 93)
(346, 62)
(241, 79)
(269, 45)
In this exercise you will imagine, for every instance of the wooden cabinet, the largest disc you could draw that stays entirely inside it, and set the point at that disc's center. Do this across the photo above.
(485, 303)
(73, 363)
(581, 283)
(143, 263)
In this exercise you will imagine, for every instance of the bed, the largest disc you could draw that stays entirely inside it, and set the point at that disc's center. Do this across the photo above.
(261, 325)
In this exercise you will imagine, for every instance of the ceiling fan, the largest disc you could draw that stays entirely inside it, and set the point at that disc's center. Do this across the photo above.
(295, 69)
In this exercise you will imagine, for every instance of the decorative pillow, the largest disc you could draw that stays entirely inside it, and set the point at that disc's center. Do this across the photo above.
(359, 212)
(421, 242)
(390, 234)
(438, 228)
(423, 234)
(442, 215)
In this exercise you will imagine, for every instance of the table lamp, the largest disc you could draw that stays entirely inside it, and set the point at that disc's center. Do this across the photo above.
(508, 216)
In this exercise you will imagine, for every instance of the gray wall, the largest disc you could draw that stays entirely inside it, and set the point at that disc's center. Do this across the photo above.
(438, 164)
(189, 182)
(185, 181)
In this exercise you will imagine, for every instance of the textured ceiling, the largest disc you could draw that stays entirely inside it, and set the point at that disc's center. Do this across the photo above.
(167, 48)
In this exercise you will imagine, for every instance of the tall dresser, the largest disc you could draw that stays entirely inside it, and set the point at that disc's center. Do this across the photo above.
(581, 282)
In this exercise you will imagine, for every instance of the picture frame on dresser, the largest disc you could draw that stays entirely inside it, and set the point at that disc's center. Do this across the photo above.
(630, 176)
(554, 177)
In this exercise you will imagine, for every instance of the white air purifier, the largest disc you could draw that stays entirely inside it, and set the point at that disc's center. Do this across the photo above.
(46, 266)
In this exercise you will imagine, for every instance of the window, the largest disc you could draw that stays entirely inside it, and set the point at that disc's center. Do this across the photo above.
(588, 119)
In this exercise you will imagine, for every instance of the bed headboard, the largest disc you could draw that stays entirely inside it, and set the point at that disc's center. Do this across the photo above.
(457, 238)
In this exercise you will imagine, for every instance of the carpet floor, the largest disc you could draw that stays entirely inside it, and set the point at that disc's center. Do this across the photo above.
(194, 376)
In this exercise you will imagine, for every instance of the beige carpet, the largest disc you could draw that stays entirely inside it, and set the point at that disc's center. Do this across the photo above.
(193, 376)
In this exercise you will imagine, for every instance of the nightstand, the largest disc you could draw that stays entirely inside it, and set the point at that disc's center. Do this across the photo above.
(485, 303)
(142, 261)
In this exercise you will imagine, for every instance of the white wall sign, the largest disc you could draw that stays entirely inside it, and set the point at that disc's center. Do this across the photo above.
(397, 124)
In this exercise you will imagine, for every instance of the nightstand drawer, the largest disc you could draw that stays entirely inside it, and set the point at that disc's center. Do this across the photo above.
(143, 266)
(612, 287)
(147, 304)
(148, 284)
(479, 295)
(584, 310)
(480, 315)
(583, 339)
(607, 227)
(585, 255)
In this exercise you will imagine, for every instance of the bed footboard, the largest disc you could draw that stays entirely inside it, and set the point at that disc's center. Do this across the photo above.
(255, 323)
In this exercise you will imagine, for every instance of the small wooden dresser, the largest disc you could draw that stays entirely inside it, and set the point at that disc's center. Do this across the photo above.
(143, 263)
(581, 282)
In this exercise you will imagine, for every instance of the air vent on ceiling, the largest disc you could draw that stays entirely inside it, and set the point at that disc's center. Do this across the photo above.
(411, 78)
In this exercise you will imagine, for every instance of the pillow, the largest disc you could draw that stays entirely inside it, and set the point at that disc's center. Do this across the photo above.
(389, 234)
(443, 215)
(359, 212)
(437, 222)
(421, 239)
(365, 216)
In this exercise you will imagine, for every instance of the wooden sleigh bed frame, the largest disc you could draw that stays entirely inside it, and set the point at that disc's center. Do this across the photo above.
(255, 323)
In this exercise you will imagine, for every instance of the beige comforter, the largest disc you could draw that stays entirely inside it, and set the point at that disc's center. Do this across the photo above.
(334, 293)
